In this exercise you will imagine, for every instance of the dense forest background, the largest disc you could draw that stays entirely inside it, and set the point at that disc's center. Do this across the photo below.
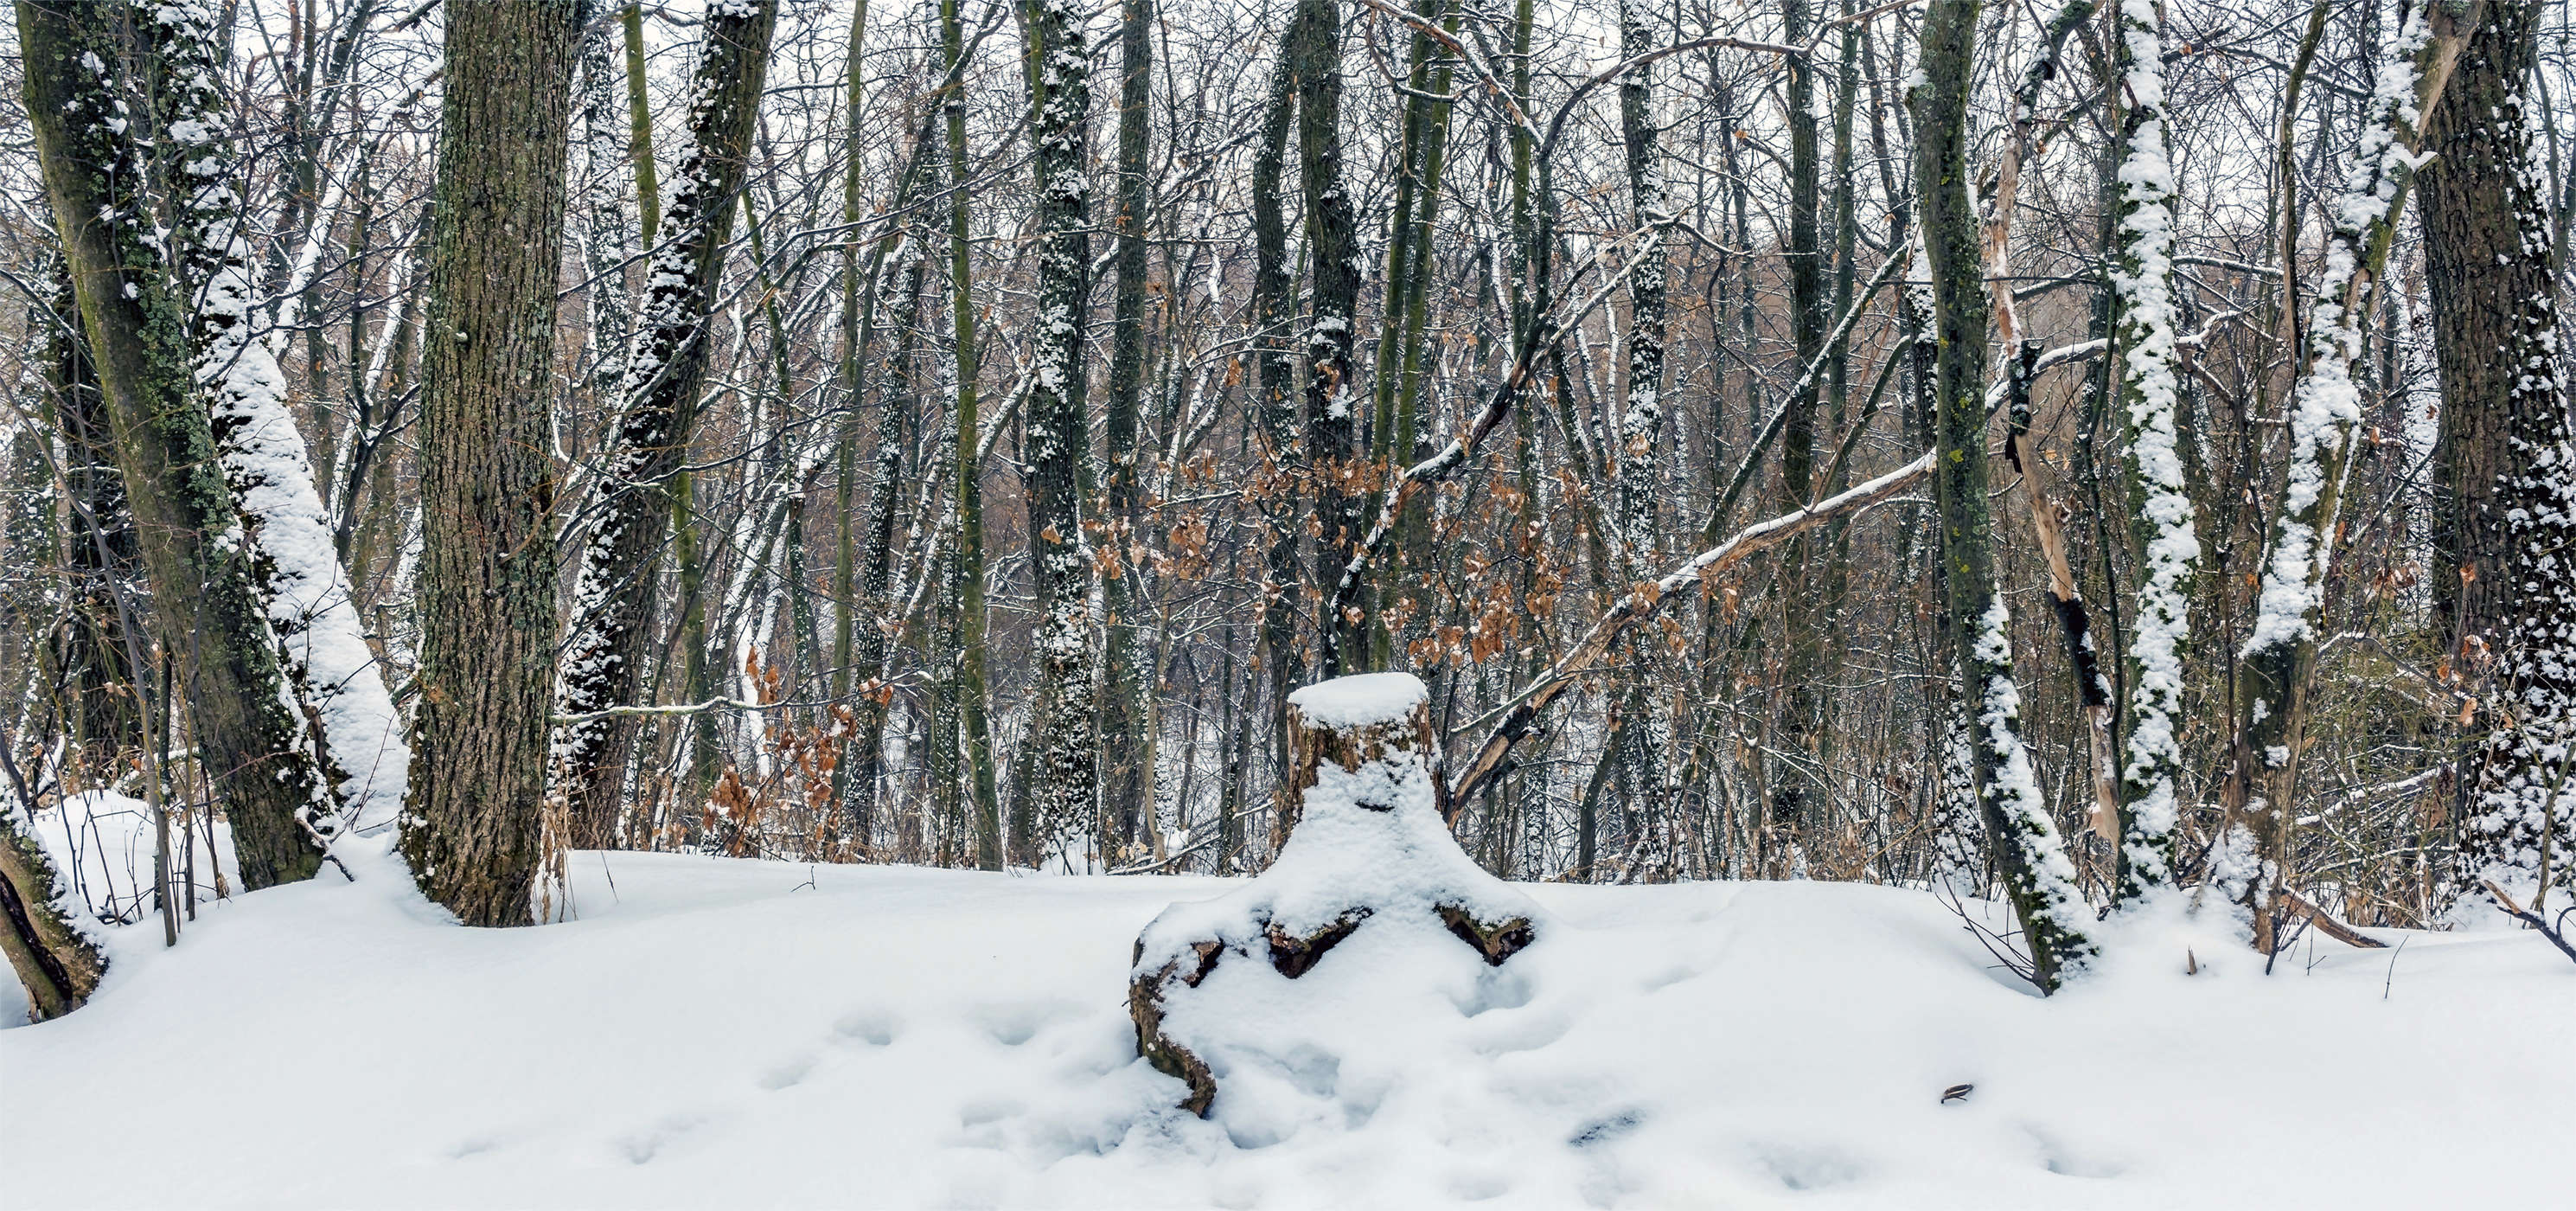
(960, 426)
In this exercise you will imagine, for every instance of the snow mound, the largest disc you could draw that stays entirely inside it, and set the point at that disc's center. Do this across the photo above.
(1371, 876)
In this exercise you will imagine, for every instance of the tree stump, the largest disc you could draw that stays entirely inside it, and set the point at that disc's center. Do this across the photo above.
(1362, 846)
(1350, 722)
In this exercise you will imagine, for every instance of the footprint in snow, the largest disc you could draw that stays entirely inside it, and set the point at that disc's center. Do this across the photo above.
(1667, 978)
(787, 1073)
(980, 1111)
(474, 1146)
(2070, 1161)
(1496, 989)
(640, 1147)
(1799, 1167)
(1607, 1128)
(873, 1026)
(1012, 1023)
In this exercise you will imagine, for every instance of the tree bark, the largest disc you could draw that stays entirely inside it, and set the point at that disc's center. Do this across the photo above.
(2037, 877)
(59, 964)
(1064, 736)
(487, 581)
(2505, 486)
(1314, 45)
(208, 616)
(975, 729)
(1123, 685)
(2149, 373)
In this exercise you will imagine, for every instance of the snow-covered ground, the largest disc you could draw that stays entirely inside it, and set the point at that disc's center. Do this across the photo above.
(738, 1034)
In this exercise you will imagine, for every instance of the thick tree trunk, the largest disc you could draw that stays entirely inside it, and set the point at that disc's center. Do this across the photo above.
(208, 615)
(487, 582)
(2505, 466)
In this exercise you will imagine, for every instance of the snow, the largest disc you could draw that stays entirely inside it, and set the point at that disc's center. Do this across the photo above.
(1348, 702)
(101, 845)
(752, 1034)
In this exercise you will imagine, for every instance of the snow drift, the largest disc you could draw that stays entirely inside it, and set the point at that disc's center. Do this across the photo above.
(751, 1034)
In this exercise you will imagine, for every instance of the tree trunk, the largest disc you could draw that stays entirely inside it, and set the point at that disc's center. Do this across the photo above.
(607, 239)
(2505, 480)
(1802, 662)
(2149, 373)
(1275, 370)
(208, 615)
(295, 566)
(487, 583)
(1063, 735)
(1362, 764)
(1123, 686)
(97, 548)
(57, 962)
(2278, 661)
(611, 626)
(2037, 876)
(1314, 45)
(974, 725)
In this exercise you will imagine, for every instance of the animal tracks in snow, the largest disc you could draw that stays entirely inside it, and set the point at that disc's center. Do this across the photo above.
(874, 1026)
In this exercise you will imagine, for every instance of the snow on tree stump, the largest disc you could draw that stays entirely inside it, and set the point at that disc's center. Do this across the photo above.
(1368, 869)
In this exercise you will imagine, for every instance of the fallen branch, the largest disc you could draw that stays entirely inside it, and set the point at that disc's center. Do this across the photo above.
(1641, 603)
(2556, 934)
(2301, 906)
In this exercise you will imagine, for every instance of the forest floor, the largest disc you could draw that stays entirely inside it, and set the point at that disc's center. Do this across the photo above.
(715, 1033)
